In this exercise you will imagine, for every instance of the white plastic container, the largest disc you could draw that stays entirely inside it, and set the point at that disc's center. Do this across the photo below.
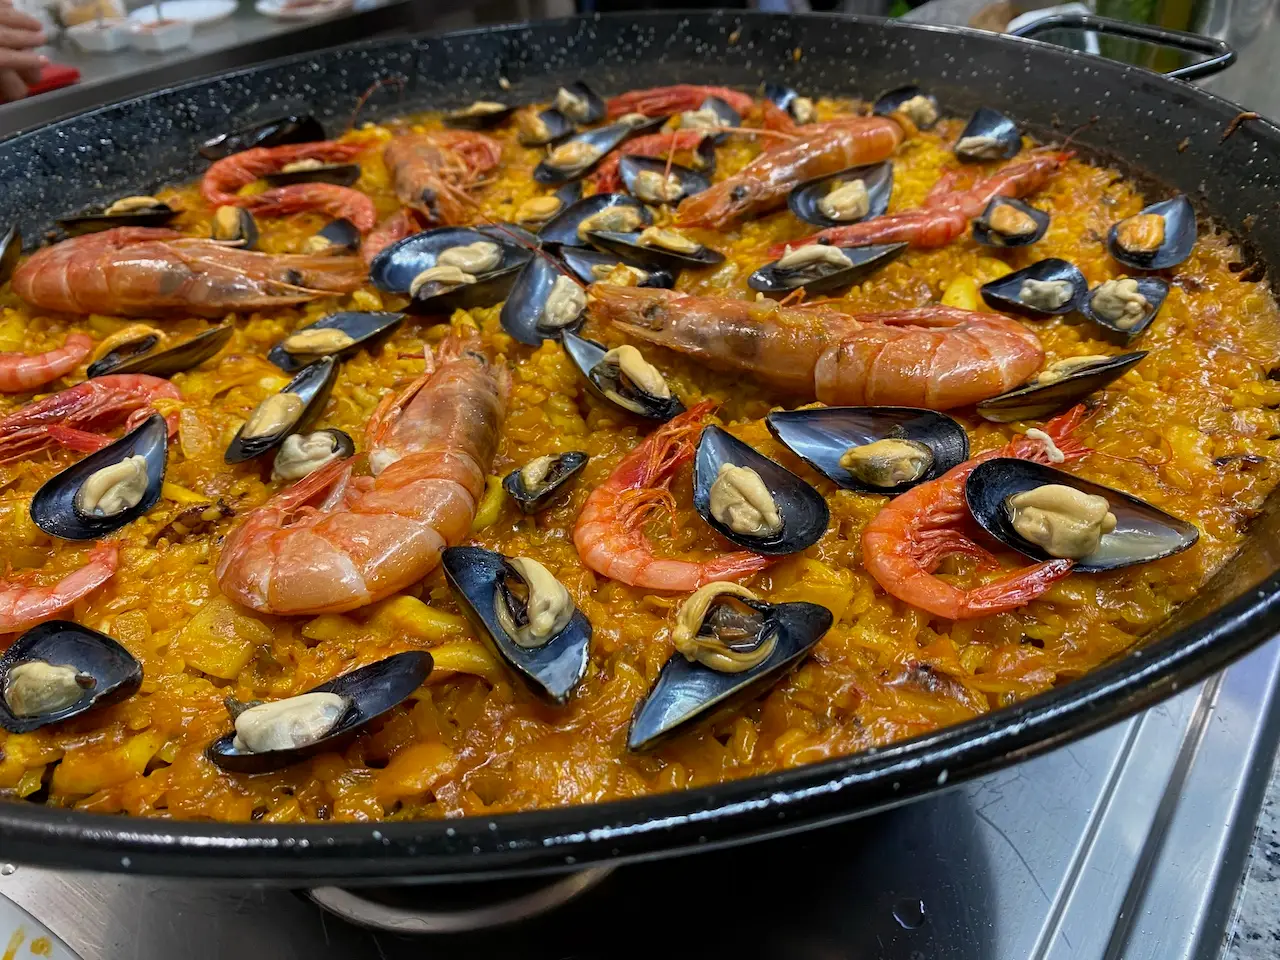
(161, 36)
(101, 36)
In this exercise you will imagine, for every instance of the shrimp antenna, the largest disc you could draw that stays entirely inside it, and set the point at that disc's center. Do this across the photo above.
(397, 80)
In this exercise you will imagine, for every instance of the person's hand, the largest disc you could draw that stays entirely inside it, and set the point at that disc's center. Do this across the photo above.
(20, 65)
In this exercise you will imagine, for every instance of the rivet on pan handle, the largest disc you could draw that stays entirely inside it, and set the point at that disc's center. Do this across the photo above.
(1219, 53)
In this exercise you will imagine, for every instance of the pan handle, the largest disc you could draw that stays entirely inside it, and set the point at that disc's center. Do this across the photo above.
(1220, 54)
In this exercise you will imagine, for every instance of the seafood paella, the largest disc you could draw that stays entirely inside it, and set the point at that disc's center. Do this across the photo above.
(533, 454)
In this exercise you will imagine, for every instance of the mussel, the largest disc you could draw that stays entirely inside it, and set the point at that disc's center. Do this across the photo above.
(433, 268)
(339, 335)
(1156, 238)
(920, 107)
(622, 377)
(544, 127)
(579, 103)
(10, 253)
(872, 449)
(1126, 305)
(711, 115)
(107, 489)
(821, 268)
(543, 303)
(302, 454)
(125, 212)
(479, 115)
(274, 735)
(753, 501)
(1058, 386)
(1048, 514)
(659, 247)
(729, 644)
(593, 266)
(602, 211)
(541, 481)
(58, 670)
(989, 135)
(525, 615)
(301, 128)
(656, 182)
(802, 109)
(314, 171)
(1047, 288)
(576, 156)
(337, 237)
(1007, 222)
(234, 225)
(844, 197)
(537, 212)
(291, 410)
(141, 356)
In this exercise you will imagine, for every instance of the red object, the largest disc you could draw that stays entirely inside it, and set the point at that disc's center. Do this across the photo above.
(52, 77)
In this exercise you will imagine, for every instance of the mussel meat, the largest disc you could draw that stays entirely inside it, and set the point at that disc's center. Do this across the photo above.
(623, 377)
(479, 115)
(10, 253)
(541, 481)
(579, 103)
(140, 355)
(844, 197)
(404, 268)
(275, 735)
(660, 247)
(543, 302)
(1047, 288)
(125, 212)
(543, 127)
(802, 109)
(301, 128)
(536, 212)
(302, 454)
(234, 225)
(1125, 305)
(291, 410)
(314, 171)
(989, 135)
(921, 108)
(339, 335)
(595, 266)
(1007, 222)
(821, 268)
(337, 237)
(1158, 237)
(656, 182)
(525, 615)
(602, 211)
(711, 115)
(1059, 385)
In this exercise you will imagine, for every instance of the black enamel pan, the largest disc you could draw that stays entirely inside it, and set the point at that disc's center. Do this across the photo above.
(1154, 127)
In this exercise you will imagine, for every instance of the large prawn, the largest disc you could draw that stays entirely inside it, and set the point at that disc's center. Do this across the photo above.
(430, 448)
(23, 605)
(914, 532)
(144, 271)
(609, 534)
(937, 357)
(662, 101)
(21, 372)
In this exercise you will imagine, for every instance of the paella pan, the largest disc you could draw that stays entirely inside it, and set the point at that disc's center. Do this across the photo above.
(607, 443)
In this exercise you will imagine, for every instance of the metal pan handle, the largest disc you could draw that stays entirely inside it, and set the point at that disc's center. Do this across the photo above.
(1219, 52)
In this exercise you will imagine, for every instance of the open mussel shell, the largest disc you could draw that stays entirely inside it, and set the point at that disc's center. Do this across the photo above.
(340, 174)
(1143, 533)
(725, 114)
(106, 672)
(821, 436)
(803, 510)
(526, 316)
(489, 289)
(1154, 290)
(548, 208)
(989, 135)
(687, 689)
(373, 690)
(140, 356)
(312, 385)
(547, 126)
(1017, 292)
(580, 103)
(1042, 397)
(564, 227)
(576, 156)
(626, 245)
(985, 233)
(335, 237)
(805, 200)
(826, 278)
(801, 108)
(234, 225)
(480, 115)
(553, 484)
(10, 253)
(301, 128)
(636, 173)
(587, 356)
(891, 102)
(1179, 237)
(394, 269)
(585, 264)
(57, 507)
(551, 670)
(304, 346)
(153, 215)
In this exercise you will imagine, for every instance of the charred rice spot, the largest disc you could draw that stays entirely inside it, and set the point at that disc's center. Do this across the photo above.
(1273, 373)
(1033, 641)
(258, 813)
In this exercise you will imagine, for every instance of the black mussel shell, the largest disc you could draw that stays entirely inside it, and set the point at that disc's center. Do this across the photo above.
(687, 689)
(1035, 401)
(788, 99)
(691, 181)
(1153, 289)
(1005, 293)
(115, 674)
(866, 261)
(805, 200)
(54, 509)
(394, 269)
(510, 234)
(340, 174)
(891, 101)
(555, 126)
(235, 225)
(625, 245)
(313, 384)
(993, 126)
(603, 139)
(156, 215)
(988, 236)
(337, 236)
(140, 356)
(365, 329)
(471, 117)
(273, 133)
(522, 314)
(727, 116)
(586, 356)
(488, 290)
(373, 690)
(1143, 532)
(552, 670)
(593, 108)
(1179, 237)
(563, 228)
(564, 468)
(10, 253)
(582, 262)
(820, 436)
(802, 509)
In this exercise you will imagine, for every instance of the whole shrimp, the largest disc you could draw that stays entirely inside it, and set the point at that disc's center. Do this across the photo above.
(945, 214)
(937, 357)
(21, 372)
(430, 448)
(912, 534)
(660, 101)
(23, 605)
(145, 271)
(609, 534)
(226, 177)
(606, 178)
(327, 198)
(75, 417)
(430, 171)
(816, 150)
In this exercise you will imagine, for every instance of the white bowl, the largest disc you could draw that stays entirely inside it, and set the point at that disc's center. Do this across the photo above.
(100, 36)
(161, 37)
